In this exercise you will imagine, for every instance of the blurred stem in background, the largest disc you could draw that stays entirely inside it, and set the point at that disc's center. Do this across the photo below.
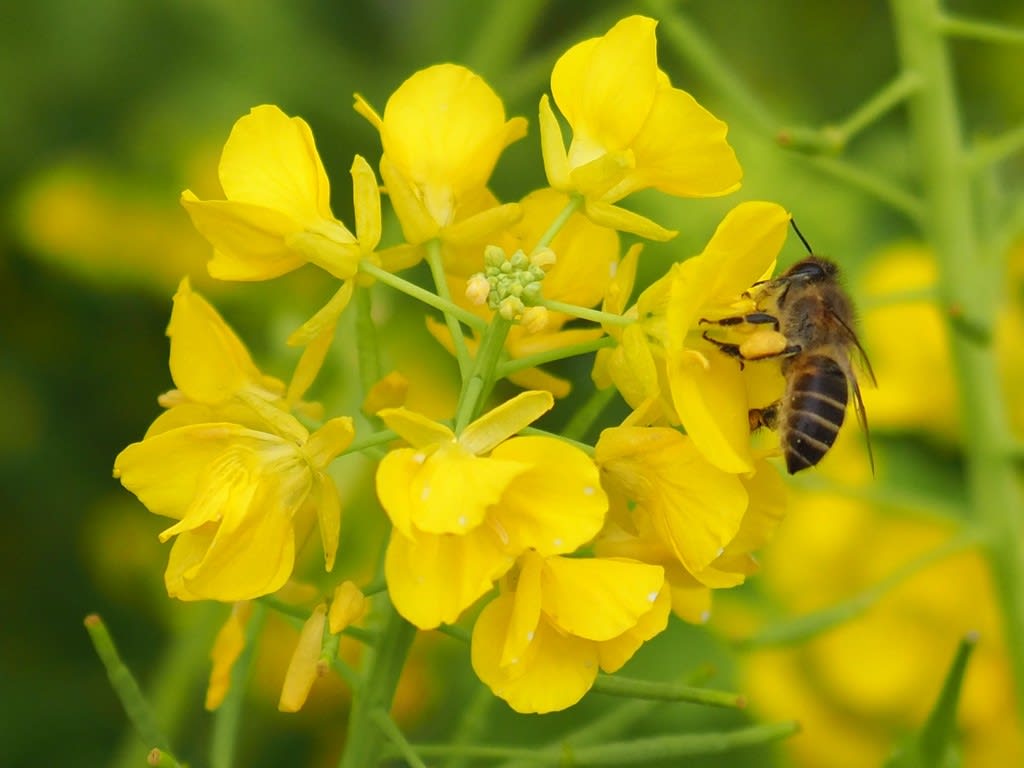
(969, 280)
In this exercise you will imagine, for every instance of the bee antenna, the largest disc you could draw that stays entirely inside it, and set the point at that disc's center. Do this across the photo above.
(803, 239)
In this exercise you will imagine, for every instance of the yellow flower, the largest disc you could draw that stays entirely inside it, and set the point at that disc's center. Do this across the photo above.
(240, 474)
(442, 132)
(348, 605)
(666, 371)
(631, 130)
(463, 508)
(638, 527)
(709, 391)
(277, 214)
(539, 646)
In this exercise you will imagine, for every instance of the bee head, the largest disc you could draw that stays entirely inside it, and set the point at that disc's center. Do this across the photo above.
(813, 269)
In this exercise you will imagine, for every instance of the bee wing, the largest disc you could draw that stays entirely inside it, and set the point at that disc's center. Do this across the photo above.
(862, 418)
(852, 337)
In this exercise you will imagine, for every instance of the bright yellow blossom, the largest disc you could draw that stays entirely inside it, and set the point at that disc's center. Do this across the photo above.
(442, 133)
(464, 507)
(662, 366)
(539, 646)
(241, 475)
(630, 130)
(277, 214)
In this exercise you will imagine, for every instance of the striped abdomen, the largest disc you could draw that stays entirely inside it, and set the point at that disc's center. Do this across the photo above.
(813, 409)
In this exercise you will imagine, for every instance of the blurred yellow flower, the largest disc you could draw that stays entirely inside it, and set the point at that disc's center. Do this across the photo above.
(227, 647)
(277, 215)
(463, 508)
(858, 687)
(539, 645)
(442, 132)
(630, 130)
(232, 465)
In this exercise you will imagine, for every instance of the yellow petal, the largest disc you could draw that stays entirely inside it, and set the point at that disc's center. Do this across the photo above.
(304, 667)
(165, 470)
(696, 508)
(502, 422)
(568, 79)
(348, 605)
(389, 392)
(414, 428)
(328, 515)
(227, 647)
(326, 443)
(682, 150)
(453, 489)
(395, 475)
(400, 257)
(556, 163)
(445, 128)
(599, 598)
(209, 363)
(619, 83)
(557, 505)
(614, 217)
(418, 225)
(478, 227)
(310, 363)
(691, 602)
(555, 673)
(522, 625)
(249, 240)
(614, 653)
(366, 200)
(433, 579)
(362, 106)
(621, 286)
(712, 405)
(270, 160)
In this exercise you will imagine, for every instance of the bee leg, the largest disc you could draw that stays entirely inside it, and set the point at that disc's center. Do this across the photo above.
(764, 417)
(754, 318)
(733, 350)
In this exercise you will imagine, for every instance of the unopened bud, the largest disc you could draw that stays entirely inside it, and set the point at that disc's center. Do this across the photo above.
(542, 258)
(534, 319)
(478, 288)
(511, 308)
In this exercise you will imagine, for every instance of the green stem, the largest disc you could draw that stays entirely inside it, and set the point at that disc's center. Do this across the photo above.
(503, 37)
(563, 216)
(634, 751)
(482, 378)
(588, 413)
(473, 722)
(445, 305)
(125, 686)
(370, 441)
(550, 355)
(387, 726)
(436, 264)
(613, 685)
(869, 183)
(229, 713)
(967, 285)
(365, 742)
(991, 151)
(985, 31)
(890, 96)
(366, 341)
(594, 315)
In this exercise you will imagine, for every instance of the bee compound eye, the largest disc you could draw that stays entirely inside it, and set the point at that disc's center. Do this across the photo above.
(809, 270)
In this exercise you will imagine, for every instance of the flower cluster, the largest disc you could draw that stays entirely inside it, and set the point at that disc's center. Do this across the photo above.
(581, 551)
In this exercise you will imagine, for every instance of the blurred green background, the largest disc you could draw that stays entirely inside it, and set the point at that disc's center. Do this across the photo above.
(111, 108)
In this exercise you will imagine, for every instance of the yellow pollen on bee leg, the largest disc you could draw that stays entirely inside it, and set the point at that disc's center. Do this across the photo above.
(763, 343)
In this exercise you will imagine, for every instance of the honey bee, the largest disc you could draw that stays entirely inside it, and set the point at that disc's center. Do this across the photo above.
(812, 331)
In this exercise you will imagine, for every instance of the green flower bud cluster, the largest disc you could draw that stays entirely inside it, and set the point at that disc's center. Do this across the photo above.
(515, 281)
